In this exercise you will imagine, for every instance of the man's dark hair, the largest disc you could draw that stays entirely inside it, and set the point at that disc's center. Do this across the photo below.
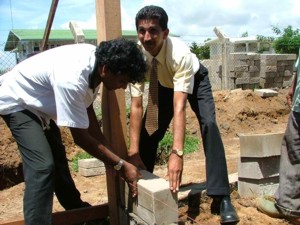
(152, 12)
(122, 56)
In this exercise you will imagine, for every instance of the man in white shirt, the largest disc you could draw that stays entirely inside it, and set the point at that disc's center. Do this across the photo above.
(57, 88)
(181, 78)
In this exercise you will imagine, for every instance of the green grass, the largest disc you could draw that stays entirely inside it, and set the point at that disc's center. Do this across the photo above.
(191, 145)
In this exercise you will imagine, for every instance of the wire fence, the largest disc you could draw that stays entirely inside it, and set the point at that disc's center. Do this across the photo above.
(7, 59)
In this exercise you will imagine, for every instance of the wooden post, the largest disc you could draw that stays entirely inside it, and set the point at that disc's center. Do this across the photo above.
(49, 24)
(108, 14)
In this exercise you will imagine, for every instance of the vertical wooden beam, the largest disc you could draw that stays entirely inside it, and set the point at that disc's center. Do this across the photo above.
(108, 14)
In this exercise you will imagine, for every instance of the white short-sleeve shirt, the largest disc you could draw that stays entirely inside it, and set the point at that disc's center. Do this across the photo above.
(53, 84)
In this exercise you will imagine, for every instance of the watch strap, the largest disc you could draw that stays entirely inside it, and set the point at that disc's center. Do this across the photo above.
(119, 165)
(177, 152)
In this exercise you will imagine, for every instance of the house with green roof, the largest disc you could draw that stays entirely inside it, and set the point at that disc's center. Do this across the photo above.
(25, 42)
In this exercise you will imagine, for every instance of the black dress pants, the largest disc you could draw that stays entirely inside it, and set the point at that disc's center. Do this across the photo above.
(202, 103)
(45, 167)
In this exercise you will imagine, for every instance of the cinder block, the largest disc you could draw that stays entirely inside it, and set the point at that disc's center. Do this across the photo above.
(91, 171)
(155, 203)
(257, 187)
(260, 145)
(90, 167)
(258, 168)
(266, 92)
(90, 163)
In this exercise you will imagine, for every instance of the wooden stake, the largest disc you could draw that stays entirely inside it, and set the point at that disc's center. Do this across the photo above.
(49, 24)
(108, 14)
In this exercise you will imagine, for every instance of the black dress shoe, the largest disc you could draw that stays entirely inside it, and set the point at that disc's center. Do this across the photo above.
(223, 207)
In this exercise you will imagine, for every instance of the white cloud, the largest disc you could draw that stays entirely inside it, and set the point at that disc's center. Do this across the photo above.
(89, 24)
(192, 19)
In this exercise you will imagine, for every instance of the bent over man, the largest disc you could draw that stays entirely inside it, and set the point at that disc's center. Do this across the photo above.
(57, 88)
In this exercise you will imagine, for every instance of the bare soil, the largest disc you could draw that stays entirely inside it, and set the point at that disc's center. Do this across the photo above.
(238, 111)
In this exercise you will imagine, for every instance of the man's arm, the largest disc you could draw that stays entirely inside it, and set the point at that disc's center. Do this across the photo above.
(93, 141)
(136, 117)
(175, 165)
(291, 91)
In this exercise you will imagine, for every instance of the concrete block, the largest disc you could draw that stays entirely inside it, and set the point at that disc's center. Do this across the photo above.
(258, 168)
(91, 171)
(254, 80)
(257, 187)
(155, 203)
(266, 92)
(90, 163)
(260, 145)
(91, 167)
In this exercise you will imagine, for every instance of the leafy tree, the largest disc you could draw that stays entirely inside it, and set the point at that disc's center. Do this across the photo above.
(201, 51)
(288, 40)
(245, 34)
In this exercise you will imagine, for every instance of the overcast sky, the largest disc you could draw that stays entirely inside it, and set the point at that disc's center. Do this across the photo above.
(193, 20)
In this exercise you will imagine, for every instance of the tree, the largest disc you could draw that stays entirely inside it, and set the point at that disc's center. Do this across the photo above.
(245, 34)
(201, 51)
(288, 40)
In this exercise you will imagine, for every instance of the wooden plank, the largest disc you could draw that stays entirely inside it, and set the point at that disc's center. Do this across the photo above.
(49, 24)
(75, 216)
(77, 32)
(70, 217)
(108, 14)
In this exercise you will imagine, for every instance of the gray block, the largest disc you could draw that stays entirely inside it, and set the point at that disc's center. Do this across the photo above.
(90, 167)
(96, 171)
(266, 92)
(90, 163)
(155, 203)
(258, 168)
(260, 145)
(257, 188)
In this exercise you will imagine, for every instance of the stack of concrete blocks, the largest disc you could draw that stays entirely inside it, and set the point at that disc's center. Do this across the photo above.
(90, 167)
(245, 70)
(276, 70)
(155, 204)
(258, 167)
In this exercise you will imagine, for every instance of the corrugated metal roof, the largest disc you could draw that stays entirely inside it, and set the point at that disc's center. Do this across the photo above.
(17, 35)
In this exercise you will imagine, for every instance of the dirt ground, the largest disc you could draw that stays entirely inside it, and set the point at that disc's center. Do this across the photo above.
(238, 111)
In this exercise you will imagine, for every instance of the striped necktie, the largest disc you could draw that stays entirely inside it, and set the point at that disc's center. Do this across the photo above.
(152, 108)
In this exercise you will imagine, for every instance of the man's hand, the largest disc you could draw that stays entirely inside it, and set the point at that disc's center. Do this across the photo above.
(136, 160)
(131, 175)
(175, 168)
(289, 97)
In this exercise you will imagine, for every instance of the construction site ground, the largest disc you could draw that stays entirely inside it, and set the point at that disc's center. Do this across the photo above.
(237, 111)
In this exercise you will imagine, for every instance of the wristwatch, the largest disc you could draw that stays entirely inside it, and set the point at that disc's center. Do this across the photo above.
(119, 165)
(178, 152)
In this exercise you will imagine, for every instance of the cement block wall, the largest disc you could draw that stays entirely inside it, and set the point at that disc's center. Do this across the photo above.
(276, 70)
(250, 70)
